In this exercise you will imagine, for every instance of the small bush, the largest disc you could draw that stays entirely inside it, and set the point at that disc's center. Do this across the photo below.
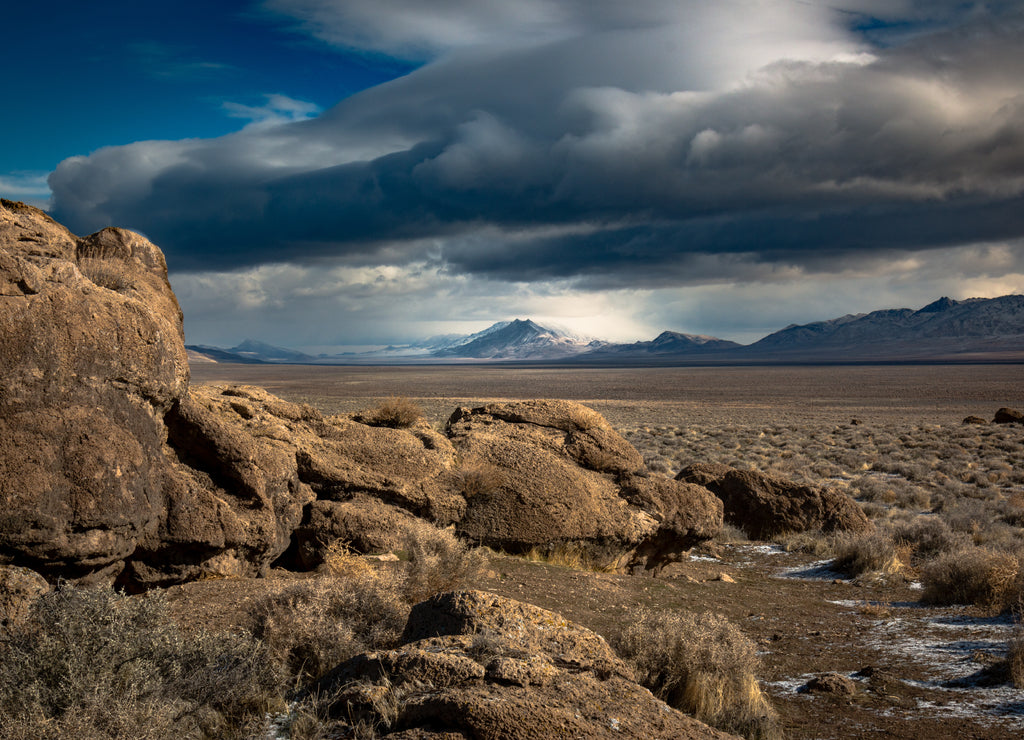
(928, 537)
(974, 576)
(578, 556)
(476, 478)
(313, 626)
(440, 561)
(396, 412)
(703, 665)
(93, 663)
(871, 553)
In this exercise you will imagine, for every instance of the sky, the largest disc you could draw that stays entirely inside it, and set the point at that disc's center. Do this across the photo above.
(324, 174)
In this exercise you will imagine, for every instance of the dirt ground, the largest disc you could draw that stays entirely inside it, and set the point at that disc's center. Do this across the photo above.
(919, 671)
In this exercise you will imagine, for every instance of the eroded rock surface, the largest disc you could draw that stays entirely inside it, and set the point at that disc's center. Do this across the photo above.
(93, 358)
(480, 665)
(567, 477)
(764, 506)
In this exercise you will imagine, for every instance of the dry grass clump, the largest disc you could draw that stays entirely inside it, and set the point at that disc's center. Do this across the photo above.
(978, 576)
(440, 561)
(478, 477)
(354, 606)
(396, 413)
(577, 556)
(703, 665)
(315, 625)
(876, 552)
(1015, 658)
(93, 663)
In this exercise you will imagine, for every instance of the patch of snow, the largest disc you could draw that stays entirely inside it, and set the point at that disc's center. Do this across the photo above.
(819, 570)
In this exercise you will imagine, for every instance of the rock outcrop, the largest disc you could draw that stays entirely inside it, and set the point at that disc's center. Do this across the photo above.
(93, 359)
(1008, 416)
(478, 665)
(111, 467)
(764, 506)
(565, 476)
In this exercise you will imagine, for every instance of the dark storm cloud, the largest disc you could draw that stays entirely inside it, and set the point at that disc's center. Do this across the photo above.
(779, 136)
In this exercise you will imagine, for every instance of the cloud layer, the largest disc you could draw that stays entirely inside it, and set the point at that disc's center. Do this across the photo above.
(605, 146)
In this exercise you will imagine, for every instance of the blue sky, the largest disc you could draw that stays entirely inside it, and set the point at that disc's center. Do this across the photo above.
(324, 173)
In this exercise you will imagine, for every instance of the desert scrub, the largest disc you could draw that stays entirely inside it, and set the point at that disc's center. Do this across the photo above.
(354, 606)
(477, 477)
(577, 556)
(315, 625)
(978, 576)
(396, 412)
(439, 561)
(876, 552)
(703, 665)
(94, 663)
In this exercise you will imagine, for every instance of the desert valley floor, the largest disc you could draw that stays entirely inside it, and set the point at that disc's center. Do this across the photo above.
(891, 435)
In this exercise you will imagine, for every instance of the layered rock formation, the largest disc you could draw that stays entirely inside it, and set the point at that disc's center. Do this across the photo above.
(473, 664)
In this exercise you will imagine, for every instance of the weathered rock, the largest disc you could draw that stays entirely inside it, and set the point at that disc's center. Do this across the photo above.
(555, 458)
(687, 515)
(93, 357)
(249, 467)
(974, 420)
(830, 683)
(479, 665)
(1008, 416)
(363, 523)
(19, 588)
(764, 506)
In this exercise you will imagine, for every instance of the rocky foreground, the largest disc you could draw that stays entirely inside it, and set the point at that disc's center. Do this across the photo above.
(113, 470)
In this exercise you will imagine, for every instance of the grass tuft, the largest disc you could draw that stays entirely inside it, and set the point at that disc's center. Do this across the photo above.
(704, 665)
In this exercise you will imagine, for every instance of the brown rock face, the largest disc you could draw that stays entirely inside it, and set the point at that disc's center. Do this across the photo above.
(479, 665)
(1008, 416)
(550, 485)
(93, 357)
(764, 506)
(563, 475)
(687, 515)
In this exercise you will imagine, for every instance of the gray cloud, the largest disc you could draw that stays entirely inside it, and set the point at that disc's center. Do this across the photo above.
(642, 145)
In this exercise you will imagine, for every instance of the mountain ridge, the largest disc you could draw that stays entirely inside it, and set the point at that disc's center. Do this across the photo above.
(944, 330)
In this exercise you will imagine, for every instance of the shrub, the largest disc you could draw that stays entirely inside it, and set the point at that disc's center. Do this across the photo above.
(315, 625)
(476, 478)
(93, 663)
(871, 553)
(355, 607)
(440, 561)
(928, 537)
(973, 576)
(396, 412)
(703, 665)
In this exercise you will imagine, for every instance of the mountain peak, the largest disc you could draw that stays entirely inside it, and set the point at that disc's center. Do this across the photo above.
(942, 304)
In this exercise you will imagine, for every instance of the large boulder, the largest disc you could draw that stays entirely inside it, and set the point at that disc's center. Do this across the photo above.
(93, 358)
(560, 472)
(764, 506)
(478, 665)
(1008, 416)
(687, 515)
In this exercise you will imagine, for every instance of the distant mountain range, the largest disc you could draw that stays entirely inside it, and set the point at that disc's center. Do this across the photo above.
(946, 330)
